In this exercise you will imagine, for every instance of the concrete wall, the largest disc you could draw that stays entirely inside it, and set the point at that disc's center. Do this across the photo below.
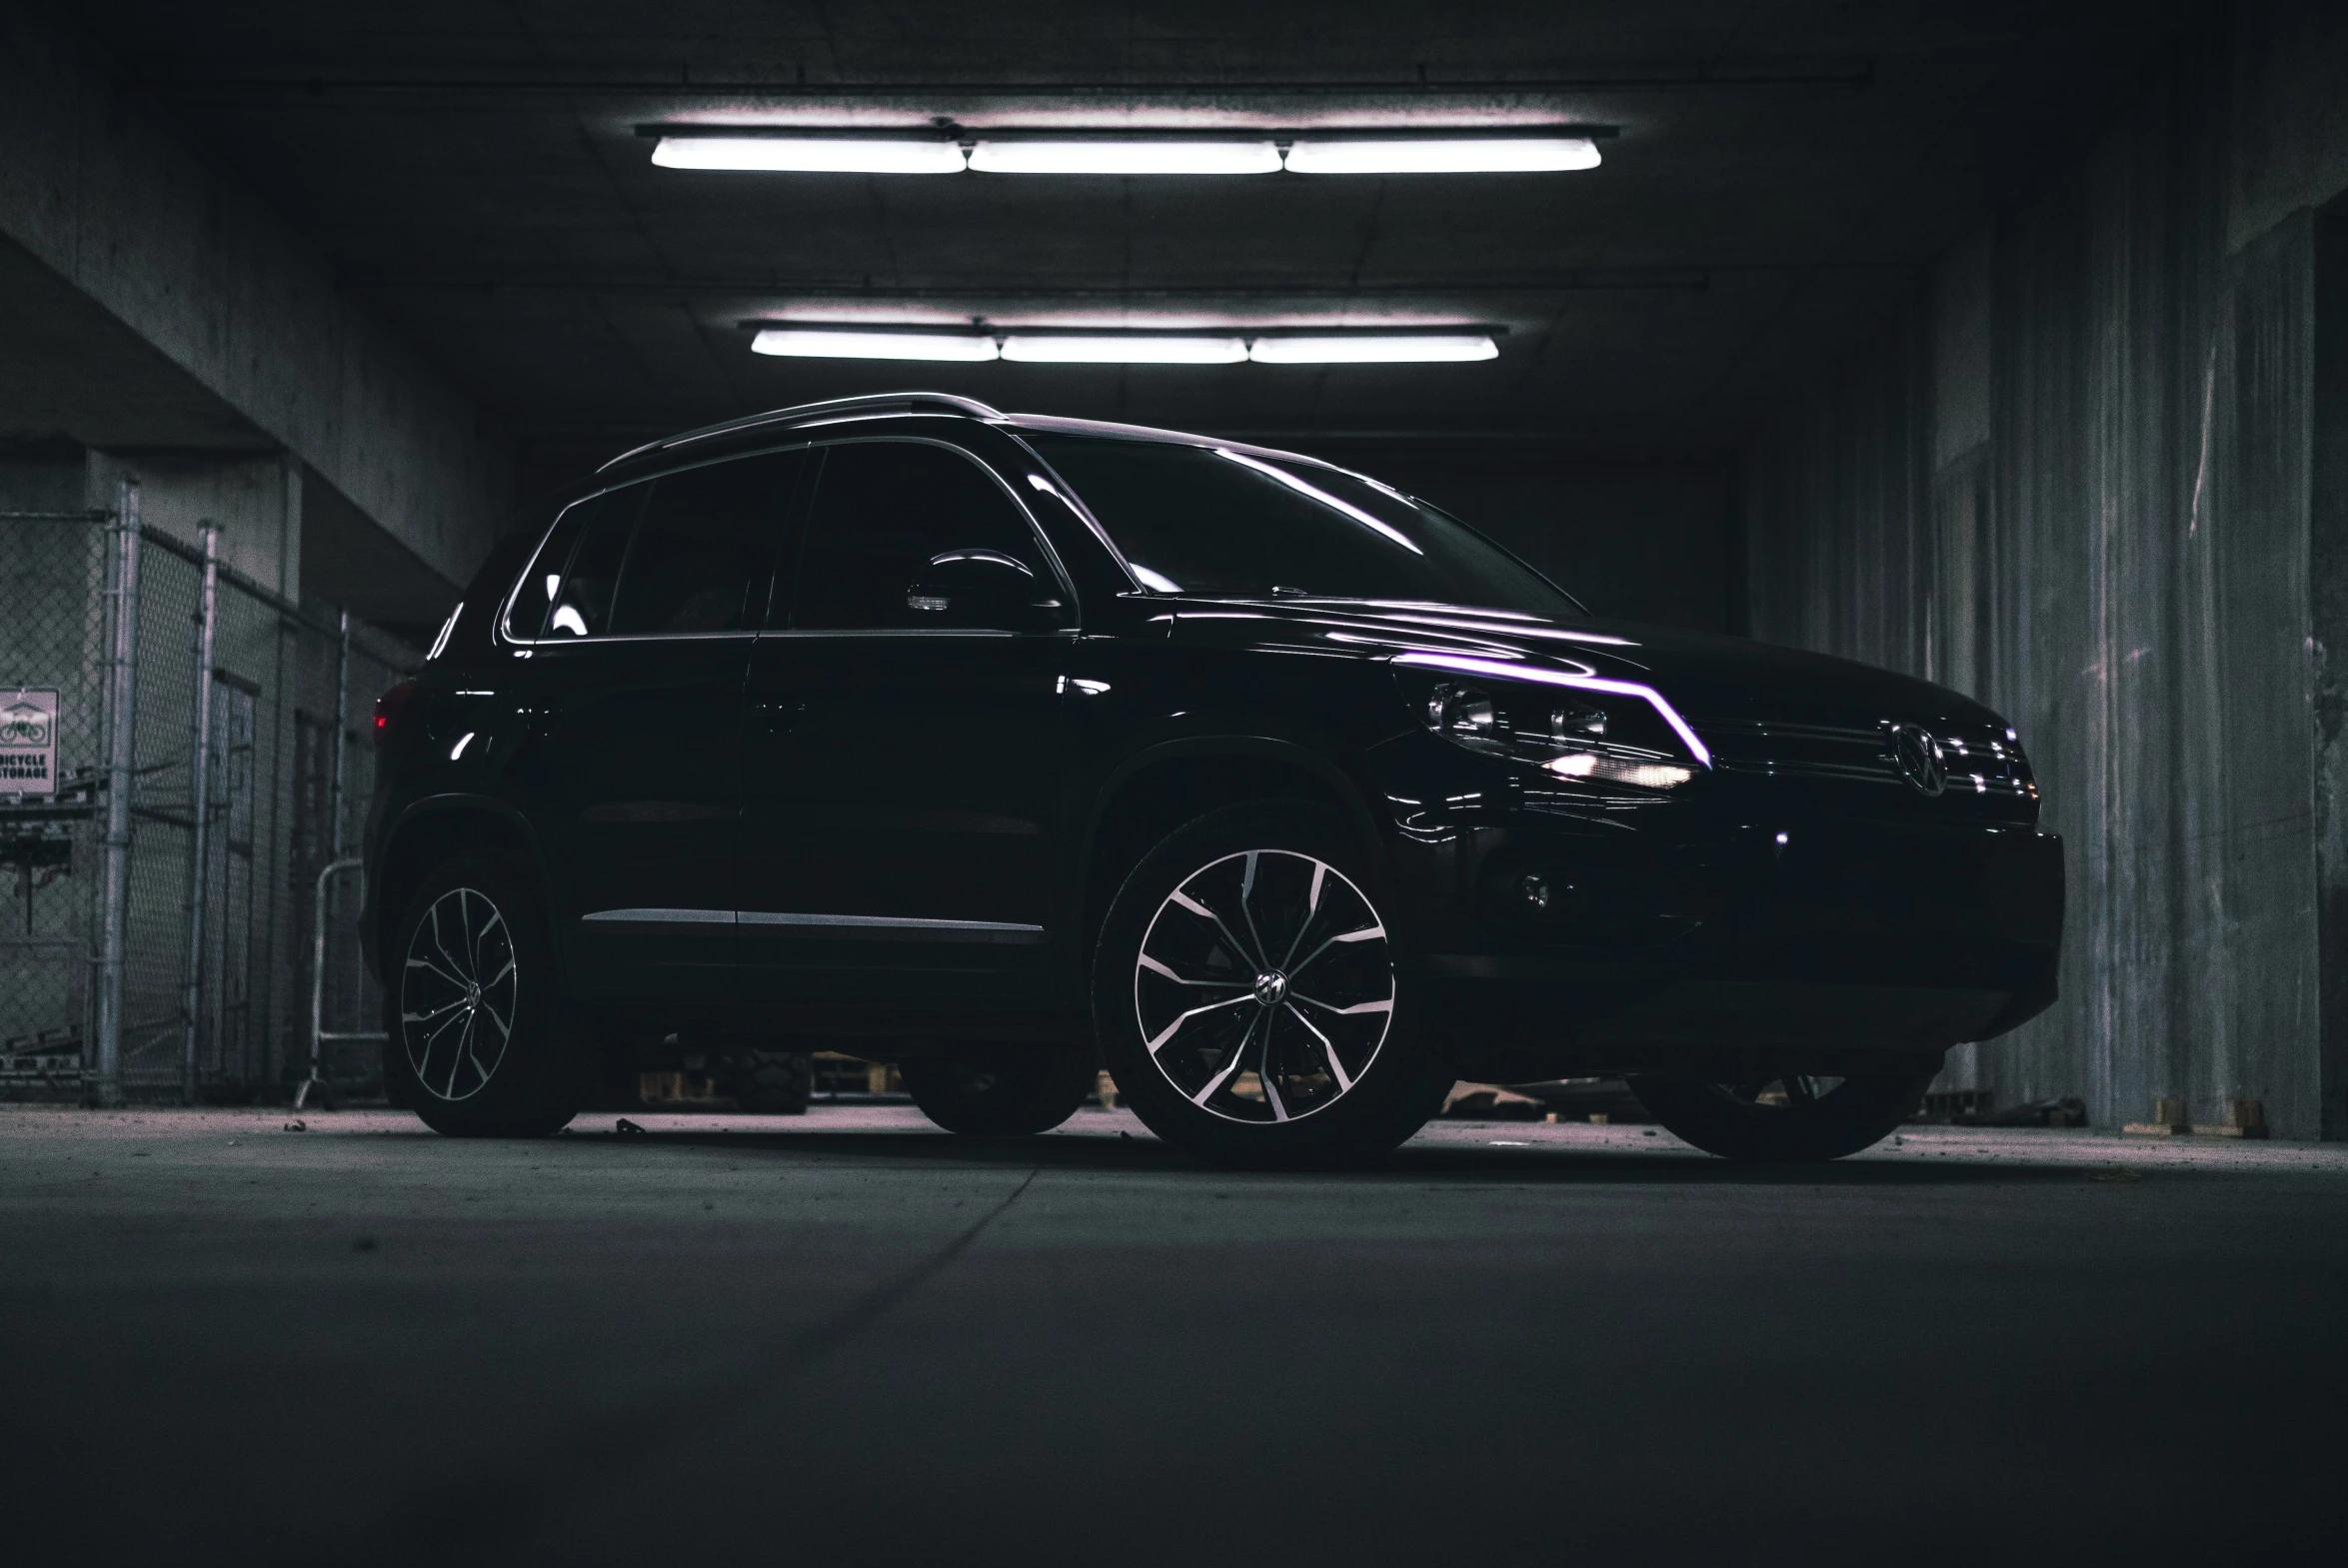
(2074, 480)
(151, 300)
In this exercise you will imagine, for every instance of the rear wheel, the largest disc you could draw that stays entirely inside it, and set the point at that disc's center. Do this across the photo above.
(1789, 1119)
(1013, 1097)
(469, 1007)
(1251, 999)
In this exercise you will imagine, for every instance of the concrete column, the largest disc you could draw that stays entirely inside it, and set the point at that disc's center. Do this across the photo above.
(2328, 619)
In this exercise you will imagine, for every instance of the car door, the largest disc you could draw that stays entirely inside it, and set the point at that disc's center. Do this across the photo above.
(899, 811)
(632, 762)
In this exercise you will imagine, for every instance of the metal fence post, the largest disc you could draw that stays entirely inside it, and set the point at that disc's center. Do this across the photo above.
(199, 815)
(342, 733)
(105, 1080)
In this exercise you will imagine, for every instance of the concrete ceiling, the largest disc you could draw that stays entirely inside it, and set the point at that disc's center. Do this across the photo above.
(1782, 175)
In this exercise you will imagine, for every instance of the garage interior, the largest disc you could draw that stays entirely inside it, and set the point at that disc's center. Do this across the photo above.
(2005, 345)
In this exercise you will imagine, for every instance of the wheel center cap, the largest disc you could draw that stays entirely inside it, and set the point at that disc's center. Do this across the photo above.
(1272, 989)
(473, 994)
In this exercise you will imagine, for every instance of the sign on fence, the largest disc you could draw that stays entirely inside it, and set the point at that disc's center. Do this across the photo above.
(28, 741)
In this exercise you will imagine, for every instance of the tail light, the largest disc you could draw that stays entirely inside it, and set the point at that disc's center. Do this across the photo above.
(388, 708)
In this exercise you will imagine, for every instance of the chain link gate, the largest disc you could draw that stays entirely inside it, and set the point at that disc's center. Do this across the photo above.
(53, 664)
(160, 943)
(342, 1009)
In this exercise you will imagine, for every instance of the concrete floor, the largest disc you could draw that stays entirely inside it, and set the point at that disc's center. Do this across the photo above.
(846, 1338)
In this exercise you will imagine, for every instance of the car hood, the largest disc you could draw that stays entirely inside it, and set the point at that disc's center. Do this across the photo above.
(1705, 676)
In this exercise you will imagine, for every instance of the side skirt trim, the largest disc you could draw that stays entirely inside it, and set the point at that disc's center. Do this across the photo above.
(882, 926)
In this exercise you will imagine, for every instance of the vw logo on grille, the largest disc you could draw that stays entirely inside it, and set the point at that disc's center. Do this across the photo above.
(1918, 757)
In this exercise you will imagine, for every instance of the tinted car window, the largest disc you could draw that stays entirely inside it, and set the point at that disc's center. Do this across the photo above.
(882, 509)
(703, 547)
(582, 595)
(534, 594)
(1203, 520)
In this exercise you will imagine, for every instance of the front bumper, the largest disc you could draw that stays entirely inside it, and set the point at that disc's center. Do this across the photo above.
(1691, 932)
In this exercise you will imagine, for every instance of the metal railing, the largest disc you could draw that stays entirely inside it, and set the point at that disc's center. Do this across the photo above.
(319, 1033)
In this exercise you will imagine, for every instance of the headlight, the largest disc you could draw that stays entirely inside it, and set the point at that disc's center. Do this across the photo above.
(1577, 729)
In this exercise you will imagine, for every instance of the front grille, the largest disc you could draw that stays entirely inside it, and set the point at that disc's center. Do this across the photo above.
(1975, 760)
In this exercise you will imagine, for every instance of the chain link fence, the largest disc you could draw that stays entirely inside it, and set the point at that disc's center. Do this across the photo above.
(171, 788)
(53, 625)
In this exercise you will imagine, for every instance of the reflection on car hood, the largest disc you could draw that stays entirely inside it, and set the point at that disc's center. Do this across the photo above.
(1704, 675)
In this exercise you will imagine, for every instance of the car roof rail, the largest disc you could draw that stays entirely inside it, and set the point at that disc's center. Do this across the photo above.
(800, 413)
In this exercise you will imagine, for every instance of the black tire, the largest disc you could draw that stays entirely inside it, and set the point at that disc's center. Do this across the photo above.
(469, 956)
(771, 1082)
(1015, 1096)
(1338, 1078)
(1803, 1121)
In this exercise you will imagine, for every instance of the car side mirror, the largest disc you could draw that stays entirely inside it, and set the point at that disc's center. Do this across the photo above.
(981, 587)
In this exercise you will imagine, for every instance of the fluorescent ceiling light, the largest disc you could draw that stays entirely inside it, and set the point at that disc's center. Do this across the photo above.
(811, 154)
(1372, 349)
(848, 344)
(1443, 155)
(1117, 156)
(1076, 346)
(1066, 347)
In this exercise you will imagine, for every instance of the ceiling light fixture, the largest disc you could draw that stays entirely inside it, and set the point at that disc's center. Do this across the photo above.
(821, 343)
(811, 154)
(1141, 346)
(1117, 155)
(1441, 155)
(1078, 348)
(948, 149)
(1370, 347)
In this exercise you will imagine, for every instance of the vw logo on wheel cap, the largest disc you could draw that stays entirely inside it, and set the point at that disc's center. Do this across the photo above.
(1918, 757)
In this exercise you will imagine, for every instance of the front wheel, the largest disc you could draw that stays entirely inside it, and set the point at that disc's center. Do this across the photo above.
(1254, 1002)
(470, 1005)
(1785, 1121)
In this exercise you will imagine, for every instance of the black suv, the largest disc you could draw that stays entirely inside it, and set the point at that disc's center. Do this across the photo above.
(1006, 747)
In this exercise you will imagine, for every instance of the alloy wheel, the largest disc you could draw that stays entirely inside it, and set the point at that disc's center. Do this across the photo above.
(1264, 987)
(457, 994)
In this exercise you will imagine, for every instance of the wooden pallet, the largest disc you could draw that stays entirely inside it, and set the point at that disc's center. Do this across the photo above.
(2245, 1118)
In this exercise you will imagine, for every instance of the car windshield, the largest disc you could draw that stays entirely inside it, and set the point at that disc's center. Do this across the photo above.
(1213, 521)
